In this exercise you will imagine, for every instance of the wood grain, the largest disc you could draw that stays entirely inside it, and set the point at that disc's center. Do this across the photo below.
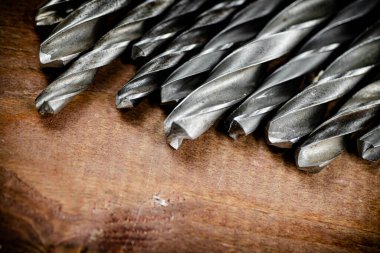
(93, 179)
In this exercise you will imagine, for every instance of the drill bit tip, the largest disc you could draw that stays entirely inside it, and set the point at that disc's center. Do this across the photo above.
(369, 145)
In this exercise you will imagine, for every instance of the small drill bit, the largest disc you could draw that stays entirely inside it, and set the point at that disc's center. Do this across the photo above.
(329, 140)
(149, 78)
(175, 22)
(77, 78)
(303, 113)
(244, 26)
(54, 11)
(369, 145)
(77, 33)
(284, 83)
(238, 74)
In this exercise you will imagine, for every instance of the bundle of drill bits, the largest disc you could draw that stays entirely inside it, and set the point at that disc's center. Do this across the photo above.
(305, 70)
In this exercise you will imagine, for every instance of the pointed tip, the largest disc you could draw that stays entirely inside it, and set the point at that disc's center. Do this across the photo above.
(235, 130)
(123, 103)
(45, 109)
(137, 52)
(368, 151)
(303, 162)
(278, 139)
(176, 135)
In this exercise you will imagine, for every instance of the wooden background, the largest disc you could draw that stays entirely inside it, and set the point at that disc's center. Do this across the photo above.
(94, 179)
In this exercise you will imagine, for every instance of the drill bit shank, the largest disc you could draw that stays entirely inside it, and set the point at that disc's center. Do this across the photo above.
(77, 78)
(328, 141)
(238, 74)
(284, 83)
(303, 113)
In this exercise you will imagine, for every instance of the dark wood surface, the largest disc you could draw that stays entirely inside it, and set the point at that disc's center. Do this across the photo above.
(93, 179)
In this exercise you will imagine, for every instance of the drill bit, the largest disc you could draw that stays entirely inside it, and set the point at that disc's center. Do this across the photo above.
(54, 11)
(238, 74)
(77, 33)
(329, 140)
(77, 78)
(149, 78)
(284, 83)
(175, 22)
(244, 26)
(369, 145)
(303, 113)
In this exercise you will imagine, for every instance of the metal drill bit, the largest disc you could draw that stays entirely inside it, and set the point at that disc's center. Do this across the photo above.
(285, 82)
(77, 78)
(77, 33)
(329, 140)
(175, 22)
(244, 26)
(303, 113)
(54, 11)
(150, 77)
(238, 74)
(369, 145)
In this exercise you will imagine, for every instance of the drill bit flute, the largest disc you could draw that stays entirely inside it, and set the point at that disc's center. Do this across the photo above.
(77, 78)
(327, 142)
(244, 26)
(303, 113)
(238, 74)
(284, 83)
(175, 22)
(77, 33)
(150, 77)
(54, 11)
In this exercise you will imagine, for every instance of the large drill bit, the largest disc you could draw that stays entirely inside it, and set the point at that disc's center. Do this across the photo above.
(329, 140)
(77, 78)
(77, 33)
(238, 74)
(175, 22)
(150, 77)
(284, 83)
(54, 11)
(303, 113)
(244, 26)
(369, 145)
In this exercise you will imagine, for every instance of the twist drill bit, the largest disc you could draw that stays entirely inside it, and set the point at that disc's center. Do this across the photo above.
(328, 141)
(369, 145)
(77, 33)
(303, 113)
(244, 26)
(149, 78)
(237, 75)
(77, 78)
(284, 83)
(175, 22)
(54, 11)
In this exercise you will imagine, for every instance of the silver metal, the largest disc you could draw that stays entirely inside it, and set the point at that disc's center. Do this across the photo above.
(150, 77)
(239, 73)
(285, 82)
(244, 26)
(303, 113)
(77, 33)
(369, 145)
(328, 141)
(82, 73)
(178, 19)
(52, 12)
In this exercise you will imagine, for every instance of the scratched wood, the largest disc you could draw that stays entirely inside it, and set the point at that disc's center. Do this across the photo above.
(94, 179)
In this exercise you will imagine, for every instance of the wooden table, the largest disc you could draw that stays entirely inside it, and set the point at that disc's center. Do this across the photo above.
(93, 179)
